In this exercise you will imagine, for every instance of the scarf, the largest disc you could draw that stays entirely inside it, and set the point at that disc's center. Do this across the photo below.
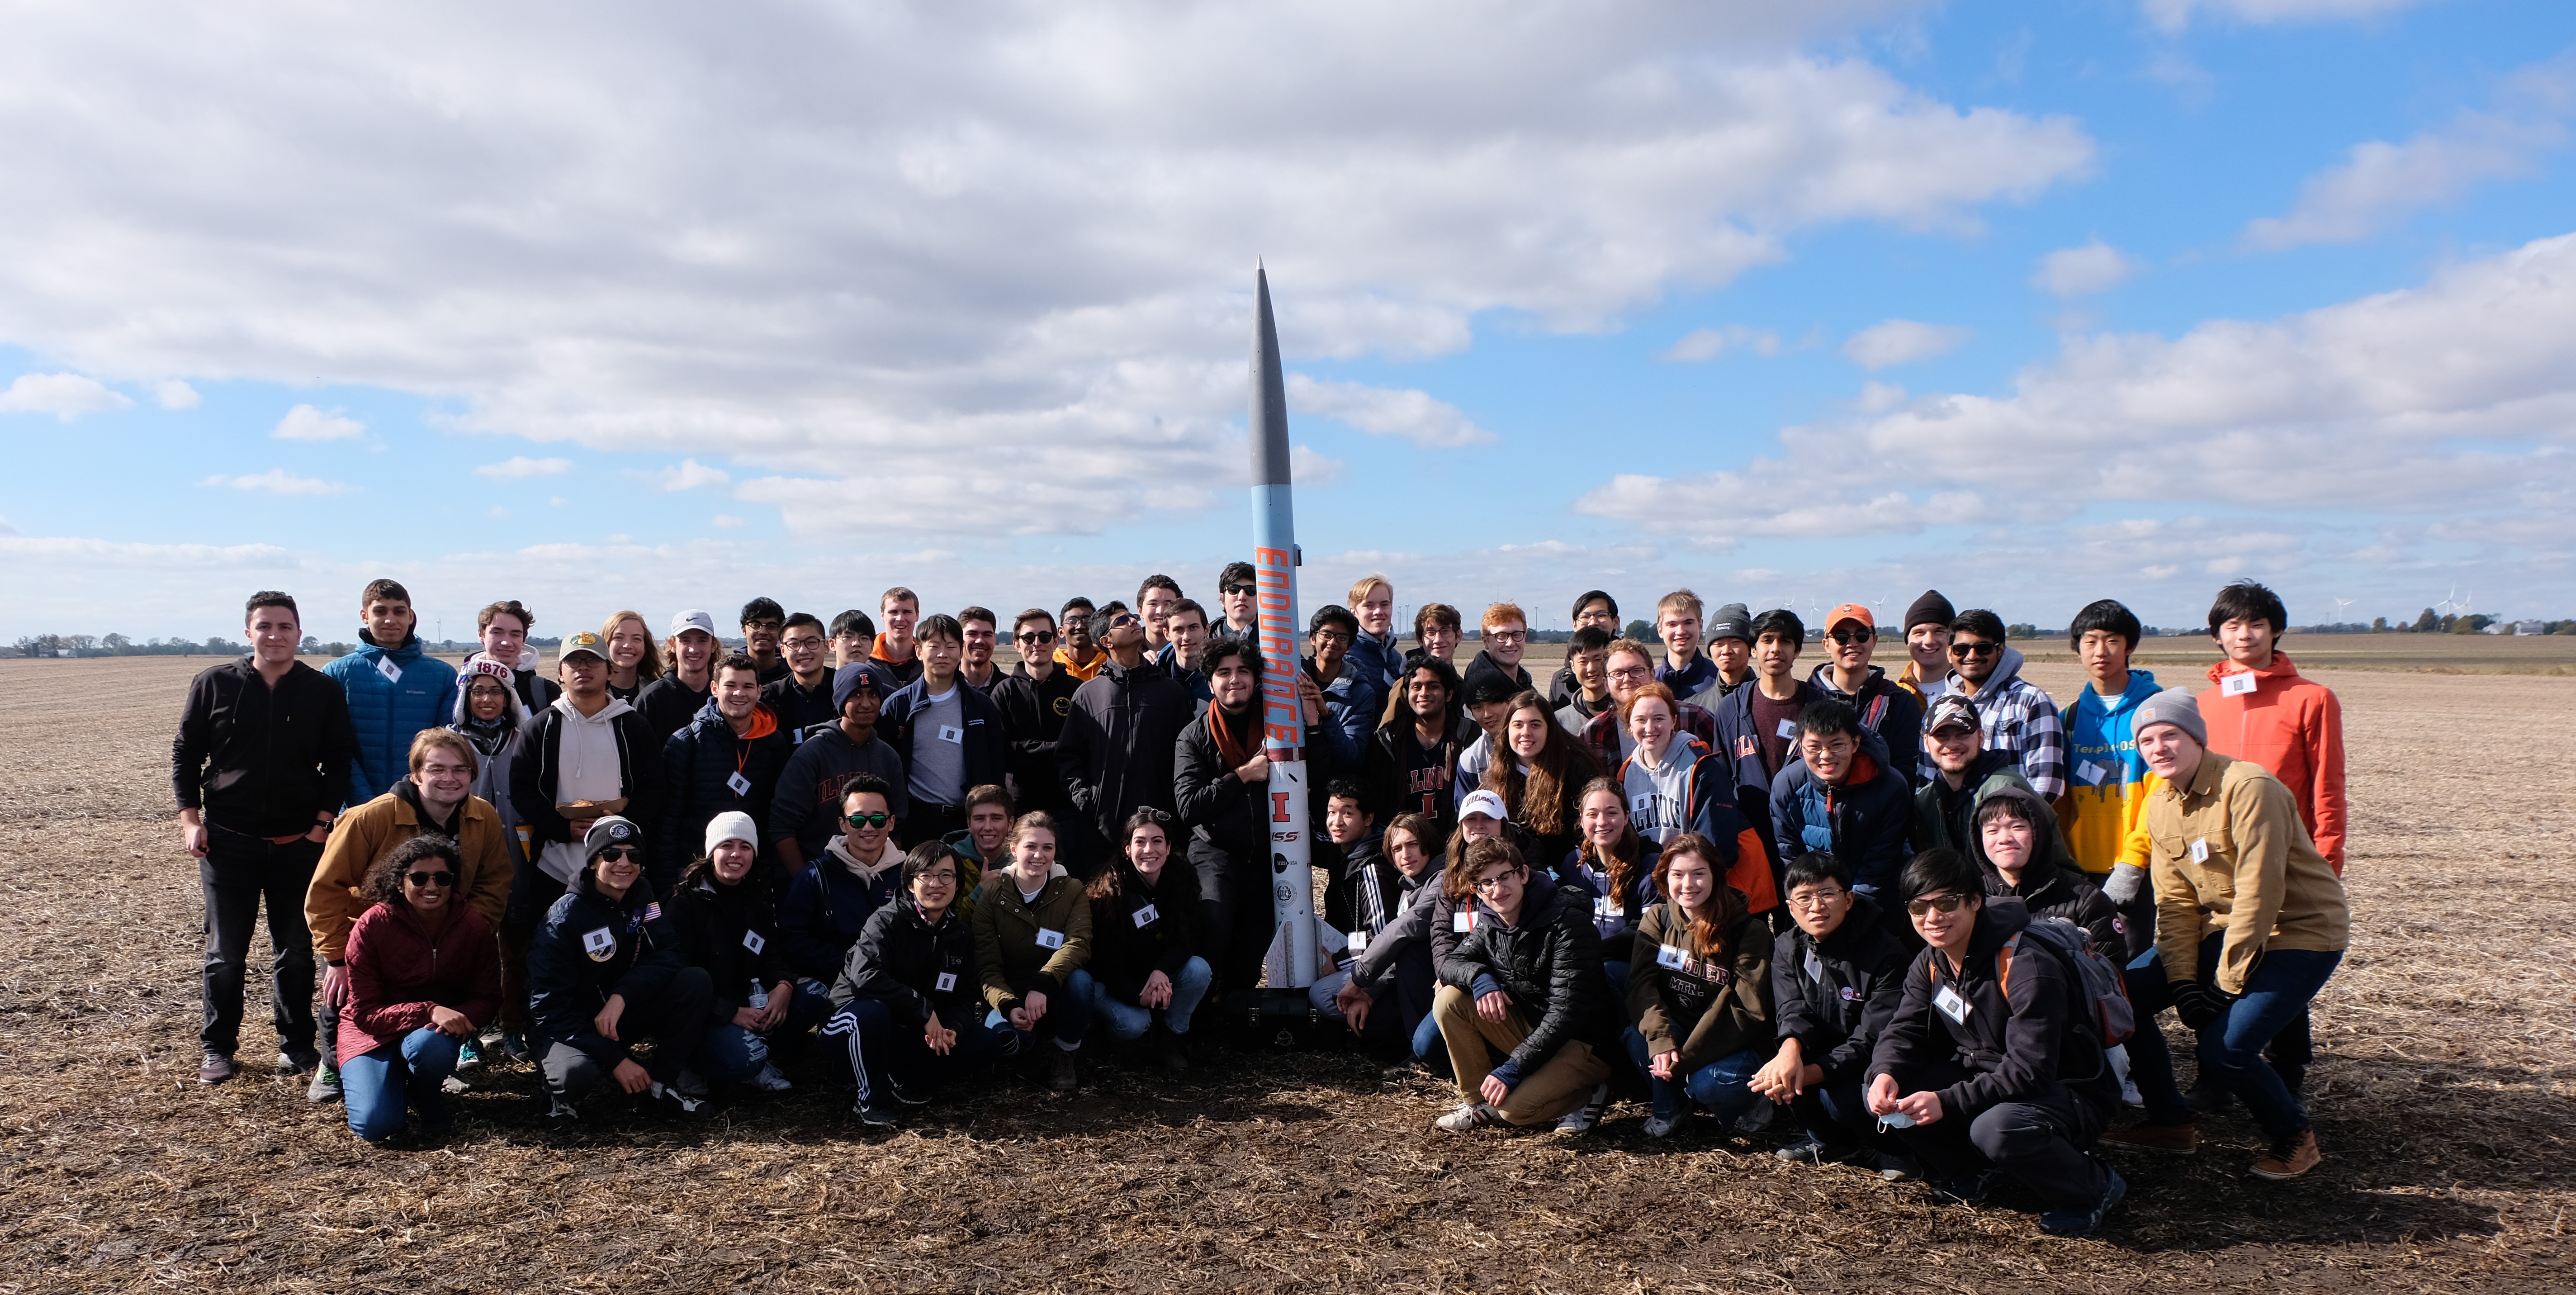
(1236, 750)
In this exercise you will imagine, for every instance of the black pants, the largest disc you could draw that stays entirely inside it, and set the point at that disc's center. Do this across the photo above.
(2040, 1140)
(1235, 921)
(925, 821)
(675, 1019)
(237, 872)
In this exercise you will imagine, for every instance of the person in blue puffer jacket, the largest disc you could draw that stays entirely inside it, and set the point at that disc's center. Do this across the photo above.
(393, 692)
(1837, 794)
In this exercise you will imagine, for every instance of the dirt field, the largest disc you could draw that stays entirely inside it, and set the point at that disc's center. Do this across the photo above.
(2444, 1095)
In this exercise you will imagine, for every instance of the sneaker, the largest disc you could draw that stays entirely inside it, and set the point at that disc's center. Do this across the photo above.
(325, 1086)
(905, 1094)
(1473, 1115)
(562, 1117)
(2172, 1139)
(1898, 1169)
(1812, 1150)
(1665, 1126)
(2290, 1157)
(1967, 1189)
(676, 1102)
(1757, 1119)
(1060, 1076)
(770, 1079)
(2071, 1223)
(515, 1047)
(690, 1082)
(291, 1062)
(873, 1114)
(215, 1068)
(1587, 1117)
(2207, 1098)
(455, 1084)
(469, 1056)
(1168, 1052)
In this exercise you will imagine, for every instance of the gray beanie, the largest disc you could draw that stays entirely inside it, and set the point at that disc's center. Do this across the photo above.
(2175, 706)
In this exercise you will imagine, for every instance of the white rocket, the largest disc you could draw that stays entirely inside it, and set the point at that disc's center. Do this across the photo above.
(1283, 721)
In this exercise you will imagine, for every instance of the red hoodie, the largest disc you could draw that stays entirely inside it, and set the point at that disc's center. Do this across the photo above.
(2292, 727)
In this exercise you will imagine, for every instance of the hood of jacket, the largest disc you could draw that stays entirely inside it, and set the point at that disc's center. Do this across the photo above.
(2007, 668)
(403, 655)
(2142, 685)
(2048, 853)
(2281, 668)
(607, 714)
(764, 721)
(1823, 679)
(514, 715)
(888, 861)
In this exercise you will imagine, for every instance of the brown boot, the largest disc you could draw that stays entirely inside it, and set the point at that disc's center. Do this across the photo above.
(2172, 1139)
(2290, 1157)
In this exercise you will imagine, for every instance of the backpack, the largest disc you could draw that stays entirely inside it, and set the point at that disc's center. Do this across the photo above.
(2098, 979)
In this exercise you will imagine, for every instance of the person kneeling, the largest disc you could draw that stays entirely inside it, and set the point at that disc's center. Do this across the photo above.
(1837, 976)
(727, 915)
(1993, 1064)
(1529, 950)
(605, 970)
(906, 996)
(1032, 939)
(1145, 940)
(424, 974)
(1699, 993)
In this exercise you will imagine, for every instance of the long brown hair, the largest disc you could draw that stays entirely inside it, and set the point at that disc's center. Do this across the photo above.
(1561, 763)
(1626, 852)
(1725, 905)
(647, 667)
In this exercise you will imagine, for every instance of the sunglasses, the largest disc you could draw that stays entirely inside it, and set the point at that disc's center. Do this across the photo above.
(618, 852)
(1963, 650)
(425, 880)
(877, 819)
(1853, 638)
(1240, 589)
(1946, 903)
(1119, 620)
(1041, 636)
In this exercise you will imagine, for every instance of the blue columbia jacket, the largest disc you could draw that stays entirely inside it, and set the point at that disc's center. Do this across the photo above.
(393, 695)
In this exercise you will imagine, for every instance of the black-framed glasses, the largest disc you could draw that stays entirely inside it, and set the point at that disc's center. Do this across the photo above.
(877, 819)
(425, 880)
(948, 878)
(1947, 903)
(1506, 636)
(1854, 638)
(1962, 651)
(1332, 636)
(1039, 637)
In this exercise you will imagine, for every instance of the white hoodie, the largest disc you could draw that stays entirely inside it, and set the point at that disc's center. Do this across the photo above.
(586, 768)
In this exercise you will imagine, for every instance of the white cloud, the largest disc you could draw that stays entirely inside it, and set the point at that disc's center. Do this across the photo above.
(305, 423)
(878, 235)
(520, 465)
(1705, 343)
(6, 529)
(1901, 341)
(2378, 182)
(174, 394)
(1308, 466)
(689, 474)
(727, 522)
(1413, 415)
(64, 395)
(278, 481)
(2082, 271)
(2175, 15)
(2457, 396)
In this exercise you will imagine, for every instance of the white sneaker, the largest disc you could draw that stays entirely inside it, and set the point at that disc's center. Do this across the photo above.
(769, 1080)
(1587, 1117)
(1472, 1116)
(2129, 1096)
(690, 1082)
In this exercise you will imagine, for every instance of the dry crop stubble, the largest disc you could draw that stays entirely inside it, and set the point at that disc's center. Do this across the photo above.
(2447, 1083)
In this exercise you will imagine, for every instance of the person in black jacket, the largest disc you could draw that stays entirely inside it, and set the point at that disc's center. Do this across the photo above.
(907, 998)
(1393, 959)
(259, 767)
(1221, 779)
(805, 814)
(803, 698)
(1115, 753)
(1035, 697)
(668, 702)
(2021, 854)
(606, 970)
(1144, 942)
(1411, 763)
(951, 737)
(1530, 953)
(1992, 1063)
(1835, 980)
(727, 917)
(726, 759)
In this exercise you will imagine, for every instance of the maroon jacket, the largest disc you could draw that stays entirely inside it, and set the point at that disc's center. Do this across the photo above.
(397, 973)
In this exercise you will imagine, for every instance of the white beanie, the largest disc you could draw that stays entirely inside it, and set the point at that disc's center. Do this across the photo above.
(732, 825)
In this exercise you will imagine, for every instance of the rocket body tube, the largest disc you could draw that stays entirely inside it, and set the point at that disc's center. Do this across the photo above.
(1283, 726)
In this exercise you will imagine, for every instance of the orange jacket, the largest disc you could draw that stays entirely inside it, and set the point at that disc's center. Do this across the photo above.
(2293, 728)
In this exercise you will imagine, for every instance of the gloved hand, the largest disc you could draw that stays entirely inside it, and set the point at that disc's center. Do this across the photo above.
(2198, 1006)
(2124, 884)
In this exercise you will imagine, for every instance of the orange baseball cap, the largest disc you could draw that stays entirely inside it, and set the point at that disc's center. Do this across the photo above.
(1850, 612)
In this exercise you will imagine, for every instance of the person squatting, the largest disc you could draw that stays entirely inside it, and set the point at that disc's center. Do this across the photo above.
(1922, 923)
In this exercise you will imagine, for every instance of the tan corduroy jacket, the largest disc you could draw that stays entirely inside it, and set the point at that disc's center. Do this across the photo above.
(2229, 853)
(369, 832)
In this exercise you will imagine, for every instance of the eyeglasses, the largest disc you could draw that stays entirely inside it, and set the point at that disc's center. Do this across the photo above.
(1816, 899)
(877, 819)
(771, 626)
(801, 641)
(1947, 903)
(1507, 636)
(425, 880)
(1631, 672)
(1039, 637)
(948, 878)
(1854, 638)
(1962, 651)
(617, 853)
(1331, 636)
(1496, 881)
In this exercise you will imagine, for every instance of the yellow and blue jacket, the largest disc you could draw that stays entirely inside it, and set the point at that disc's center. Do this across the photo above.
(2106, 782)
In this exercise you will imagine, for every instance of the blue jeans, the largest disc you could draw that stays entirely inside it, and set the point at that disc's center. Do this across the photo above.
(735, 1054)
(376, 1086)
(1127, 1020)
(1720, 1085)
(878, 1049)
(2231, 1050)
(1065, 1018)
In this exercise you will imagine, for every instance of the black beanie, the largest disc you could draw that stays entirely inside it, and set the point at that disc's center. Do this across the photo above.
(1930, 609)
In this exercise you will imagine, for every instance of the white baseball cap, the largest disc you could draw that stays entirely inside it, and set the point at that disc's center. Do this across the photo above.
(1485, 801)
(692, 619)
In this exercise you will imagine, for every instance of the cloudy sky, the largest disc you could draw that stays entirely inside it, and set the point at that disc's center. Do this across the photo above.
(657, 305)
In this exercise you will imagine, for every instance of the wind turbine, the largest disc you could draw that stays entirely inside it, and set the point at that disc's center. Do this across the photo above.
(2340, 604)
(2450, 602)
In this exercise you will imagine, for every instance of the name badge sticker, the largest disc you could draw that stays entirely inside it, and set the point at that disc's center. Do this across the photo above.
(1788, 728)
(951, 734)
(1951, 1005)
(1669, 957)
(1462, 922)
(385, 666)
(946, 982)
(1815, 967)
(1050, 939)
(1146, 916)
(1603, 907)
(601, 944)
(2238, 684)
(754, 941)
(738, 785)
(2200, 851)
(2090, 773)
(1359, 942)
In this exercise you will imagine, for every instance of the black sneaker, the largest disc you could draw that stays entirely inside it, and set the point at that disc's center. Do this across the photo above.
(1169, 1052)
(1812, 1150)
(675, 1102)
(875, 1115)
(905, 1095)
(2074, 1223)
(216, 1067)
(297, 1061)
(1060, 1075)
(1967, 1189)
(562, 1117)
(1898, 1169)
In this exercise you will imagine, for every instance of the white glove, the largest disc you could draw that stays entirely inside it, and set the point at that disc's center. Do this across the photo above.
(2125, 883)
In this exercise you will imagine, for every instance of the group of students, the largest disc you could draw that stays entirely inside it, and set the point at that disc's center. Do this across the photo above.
(1930, 917)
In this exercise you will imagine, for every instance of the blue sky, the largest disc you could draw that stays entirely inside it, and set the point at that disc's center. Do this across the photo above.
(649, 306)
